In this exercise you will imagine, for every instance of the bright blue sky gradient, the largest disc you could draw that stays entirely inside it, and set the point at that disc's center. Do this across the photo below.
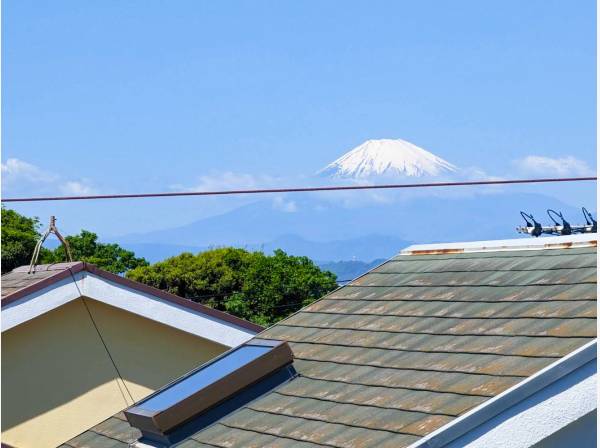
(150, 95)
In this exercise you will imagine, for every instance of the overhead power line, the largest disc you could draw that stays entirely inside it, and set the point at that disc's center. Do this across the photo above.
(297, 190)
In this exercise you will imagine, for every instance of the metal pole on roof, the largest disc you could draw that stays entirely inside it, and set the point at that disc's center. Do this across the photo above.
(38, 247)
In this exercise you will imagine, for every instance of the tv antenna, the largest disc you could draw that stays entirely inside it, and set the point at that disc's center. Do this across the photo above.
(560, 226)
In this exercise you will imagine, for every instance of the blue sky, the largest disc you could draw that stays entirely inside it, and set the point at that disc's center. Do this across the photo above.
(114, 97)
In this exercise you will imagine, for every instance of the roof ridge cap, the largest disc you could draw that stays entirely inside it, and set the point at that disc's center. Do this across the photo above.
(515, 244)
(60, 266)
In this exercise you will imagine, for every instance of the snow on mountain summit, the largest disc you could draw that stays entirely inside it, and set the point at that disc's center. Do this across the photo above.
(387, 157)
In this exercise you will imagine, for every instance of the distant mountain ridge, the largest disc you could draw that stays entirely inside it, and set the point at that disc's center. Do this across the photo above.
(366, 248)
(328, 231)
(349, 270)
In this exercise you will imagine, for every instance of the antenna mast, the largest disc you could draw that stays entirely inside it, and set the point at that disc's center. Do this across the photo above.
(534, 228)
(51, 229)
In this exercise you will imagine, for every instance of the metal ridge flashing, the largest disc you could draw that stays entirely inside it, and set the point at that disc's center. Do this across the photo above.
(519, 392)
(552, 242)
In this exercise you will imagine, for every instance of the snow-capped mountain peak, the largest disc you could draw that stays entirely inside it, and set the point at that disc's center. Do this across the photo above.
(387, 157)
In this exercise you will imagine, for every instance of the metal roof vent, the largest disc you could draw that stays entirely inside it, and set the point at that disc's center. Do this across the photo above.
(211, 391)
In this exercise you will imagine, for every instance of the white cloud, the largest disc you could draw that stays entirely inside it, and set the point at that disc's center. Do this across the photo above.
(23, 178)
(76, 188)
(15, 171)
(280, 203)
(229, 180)
(473, 173)
(548, 166)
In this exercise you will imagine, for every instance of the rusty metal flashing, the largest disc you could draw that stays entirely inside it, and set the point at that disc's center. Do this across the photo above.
(434, 252)
(557, 242)
(65, 270)
(517, 393)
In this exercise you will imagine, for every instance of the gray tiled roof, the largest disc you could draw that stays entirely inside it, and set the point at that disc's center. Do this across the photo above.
(412, 345)
(114, 432)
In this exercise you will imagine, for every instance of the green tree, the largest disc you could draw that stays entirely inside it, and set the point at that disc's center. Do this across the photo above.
(85, 247)
(210, 274)
(261, 288)
(19, 237)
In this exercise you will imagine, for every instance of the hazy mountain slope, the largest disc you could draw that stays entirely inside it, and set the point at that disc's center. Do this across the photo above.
(419, 220)
(349, 270)
(365, 248)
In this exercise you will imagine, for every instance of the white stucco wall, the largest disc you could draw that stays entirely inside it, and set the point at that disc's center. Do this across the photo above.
(58, 379)
(535, 419)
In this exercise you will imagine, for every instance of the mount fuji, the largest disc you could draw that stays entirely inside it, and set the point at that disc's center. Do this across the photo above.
(387, 158)
(355, 231)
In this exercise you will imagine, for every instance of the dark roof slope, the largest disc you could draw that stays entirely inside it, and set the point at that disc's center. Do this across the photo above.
(410, 346)
(19, 283)
(114, 432)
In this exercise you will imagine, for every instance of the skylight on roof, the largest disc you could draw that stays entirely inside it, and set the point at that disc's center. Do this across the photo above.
(206, 387)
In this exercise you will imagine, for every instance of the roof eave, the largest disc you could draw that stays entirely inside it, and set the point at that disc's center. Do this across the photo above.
(43, 283)
(92, 269)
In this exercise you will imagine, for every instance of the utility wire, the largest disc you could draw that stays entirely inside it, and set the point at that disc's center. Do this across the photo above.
(108, 352)
(104, 344)
(298, 190)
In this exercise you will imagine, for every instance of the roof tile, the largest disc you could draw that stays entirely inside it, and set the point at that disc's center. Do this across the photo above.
(418, 341)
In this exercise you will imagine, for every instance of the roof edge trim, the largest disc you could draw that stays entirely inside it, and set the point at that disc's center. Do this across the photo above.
(553, 242)
(43, 283)
(494, 406)
(122, 281)
(186, 303)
